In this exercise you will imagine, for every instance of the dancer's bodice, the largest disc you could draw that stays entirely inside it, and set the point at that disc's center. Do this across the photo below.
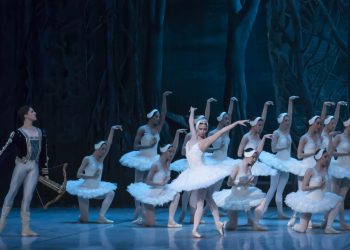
(147, 139)
(161, 174)
(90, 170)
(253, 141)
(284, 141)
(222, 142)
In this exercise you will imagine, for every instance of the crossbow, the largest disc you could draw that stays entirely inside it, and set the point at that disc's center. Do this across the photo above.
(59, 188)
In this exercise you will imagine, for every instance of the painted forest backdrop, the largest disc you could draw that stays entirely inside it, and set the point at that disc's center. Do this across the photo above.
(85, 65)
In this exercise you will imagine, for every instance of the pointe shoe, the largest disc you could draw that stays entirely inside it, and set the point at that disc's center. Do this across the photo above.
(297, 228)
(258, 227)
(344, 226)
(220, 227)
(195, 234)
(104, 220)
(291, 222)
(309, 226)
(137, 221)
(174, 225)
(331, 230)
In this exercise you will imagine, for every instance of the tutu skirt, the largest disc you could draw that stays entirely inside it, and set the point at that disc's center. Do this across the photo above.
(200, 177)
(338, 170)
(179, 165)
(135, 159)
(296, 167)
(76, 188)
(272, 161)
(156, 196)
(261, 169)
(239, 198)
(315, 201)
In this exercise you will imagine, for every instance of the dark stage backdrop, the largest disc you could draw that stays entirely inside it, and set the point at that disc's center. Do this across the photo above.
(85, 65)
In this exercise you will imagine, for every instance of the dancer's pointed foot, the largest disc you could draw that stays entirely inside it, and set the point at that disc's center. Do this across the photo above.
(195, 234)
(220, 227)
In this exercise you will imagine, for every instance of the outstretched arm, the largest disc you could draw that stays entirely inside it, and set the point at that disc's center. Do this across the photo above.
(324, 110)
(187, 138)
(264, 112)
(110, 138)
(176, 140)
(337, 111)
(230, 107)
(262, 143)
(191, 123)
(290, 110)
(207, 108)
(242, 145)
(164, 110)
(205, 143)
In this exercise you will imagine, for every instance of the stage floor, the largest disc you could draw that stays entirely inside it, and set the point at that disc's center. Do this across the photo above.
(58, 229)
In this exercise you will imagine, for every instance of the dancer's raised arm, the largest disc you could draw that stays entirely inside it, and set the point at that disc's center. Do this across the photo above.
(205, 143)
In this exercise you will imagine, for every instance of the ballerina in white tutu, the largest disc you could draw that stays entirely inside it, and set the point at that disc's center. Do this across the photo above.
(145, 147)
(312, 198)
(182, 164)
(90, 186)
(281, 145)
(339, 169)
(199, 176)
(309, 143)
(330, 123)
(252, 140)
(220, 146)
(155, 192)
(243, 196)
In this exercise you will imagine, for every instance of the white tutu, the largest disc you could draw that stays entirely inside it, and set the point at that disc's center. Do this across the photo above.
(296, 167)
(211, 160)
(315, 201)
(135, 159)
(179, 165)
(76, 188)
(272, 161)
(261, 169)
(338, 170)
(239, 198)
(156, 196)
(193, 179)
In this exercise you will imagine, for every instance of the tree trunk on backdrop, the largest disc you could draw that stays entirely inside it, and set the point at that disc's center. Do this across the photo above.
(240, 23)
(154, 70)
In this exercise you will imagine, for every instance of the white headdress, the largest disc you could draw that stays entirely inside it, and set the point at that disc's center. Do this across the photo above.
(221, 116)
(328, 119)
(99, 145)
(249, 153)
(165, 148)
(151, 114)
(346, 123)
(313, 119)
(319, 154)
(281, 117)
(201, 121)
(255, 121)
